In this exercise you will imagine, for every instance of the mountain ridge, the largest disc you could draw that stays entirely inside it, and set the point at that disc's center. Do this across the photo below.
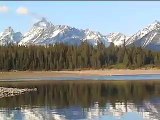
(44, 32)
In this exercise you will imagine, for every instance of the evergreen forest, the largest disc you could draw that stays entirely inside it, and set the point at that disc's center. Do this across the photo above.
(71, 57)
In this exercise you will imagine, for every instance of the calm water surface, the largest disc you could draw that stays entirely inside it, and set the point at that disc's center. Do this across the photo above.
(94, 77)
(83, 100)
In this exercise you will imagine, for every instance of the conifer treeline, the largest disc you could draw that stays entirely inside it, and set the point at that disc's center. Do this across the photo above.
(61, 56)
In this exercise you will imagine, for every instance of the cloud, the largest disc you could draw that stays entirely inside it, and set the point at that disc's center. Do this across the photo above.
(22, 11)
(4, 9)
(26, 11)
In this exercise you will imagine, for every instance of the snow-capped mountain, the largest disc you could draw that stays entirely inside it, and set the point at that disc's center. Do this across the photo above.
(117, 38)
(9, 36)
(148, 37)
(44, 32)
(94, 38)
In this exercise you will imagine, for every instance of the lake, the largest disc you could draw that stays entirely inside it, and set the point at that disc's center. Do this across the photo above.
(91, 77)
(83, 100)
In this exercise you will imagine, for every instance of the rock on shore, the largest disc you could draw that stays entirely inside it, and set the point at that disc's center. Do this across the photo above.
(8, 92)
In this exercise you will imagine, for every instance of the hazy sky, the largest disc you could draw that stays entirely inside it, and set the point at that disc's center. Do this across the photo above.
(126, 17)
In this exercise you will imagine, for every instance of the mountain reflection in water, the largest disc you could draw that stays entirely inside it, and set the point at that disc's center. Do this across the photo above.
(61, 100)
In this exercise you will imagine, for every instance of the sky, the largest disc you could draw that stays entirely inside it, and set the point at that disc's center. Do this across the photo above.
(104, 16)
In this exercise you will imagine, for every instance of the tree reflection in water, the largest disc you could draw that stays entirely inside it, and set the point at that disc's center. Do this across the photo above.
(118, 97)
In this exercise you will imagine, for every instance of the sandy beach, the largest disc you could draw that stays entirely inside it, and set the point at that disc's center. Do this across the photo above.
(109, 72)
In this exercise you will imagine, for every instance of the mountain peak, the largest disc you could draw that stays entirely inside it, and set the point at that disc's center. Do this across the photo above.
(156, 22)
(9, 29)
(44, 20)
(9, 36)
(154, 25)
(43, 23)
(147, 37)
(117, 38)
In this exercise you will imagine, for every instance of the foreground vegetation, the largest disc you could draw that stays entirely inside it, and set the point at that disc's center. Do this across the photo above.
(85, 56)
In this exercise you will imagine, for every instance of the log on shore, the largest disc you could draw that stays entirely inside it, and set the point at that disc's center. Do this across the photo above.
(8, 92)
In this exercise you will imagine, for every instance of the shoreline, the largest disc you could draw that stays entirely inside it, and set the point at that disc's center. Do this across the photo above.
(105, 72)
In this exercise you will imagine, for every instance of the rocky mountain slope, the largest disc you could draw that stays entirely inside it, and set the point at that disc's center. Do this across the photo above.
(149, 37)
